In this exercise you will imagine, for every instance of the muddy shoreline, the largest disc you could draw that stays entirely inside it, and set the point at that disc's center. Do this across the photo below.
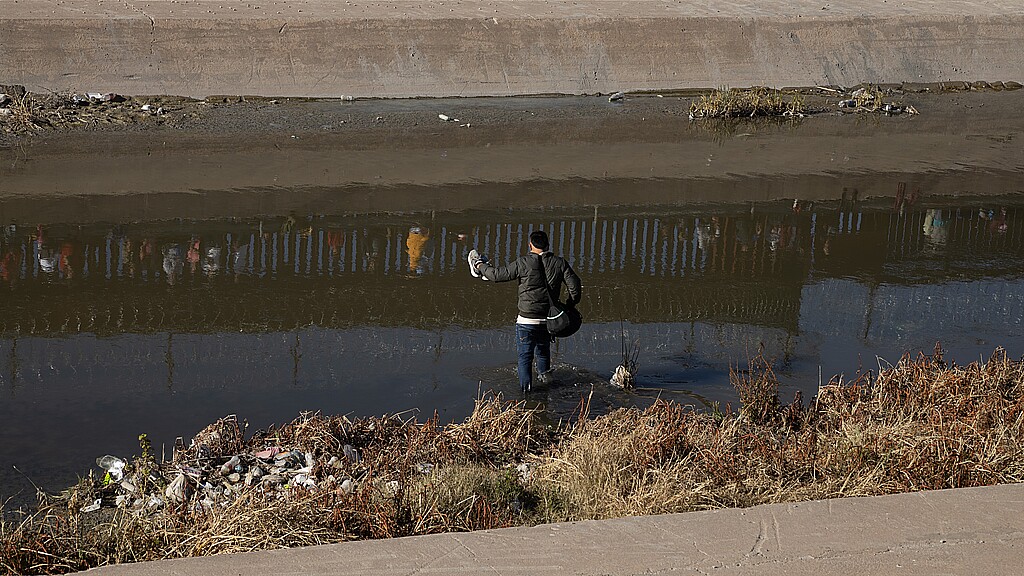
(262, 156)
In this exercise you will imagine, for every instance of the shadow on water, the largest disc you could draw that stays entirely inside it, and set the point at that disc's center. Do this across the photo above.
(110, 330)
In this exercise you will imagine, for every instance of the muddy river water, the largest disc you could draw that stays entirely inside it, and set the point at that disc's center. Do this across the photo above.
(113, 325)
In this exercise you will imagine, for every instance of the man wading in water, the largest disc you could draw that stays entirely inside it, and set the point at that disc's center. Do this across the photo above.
(531, 330)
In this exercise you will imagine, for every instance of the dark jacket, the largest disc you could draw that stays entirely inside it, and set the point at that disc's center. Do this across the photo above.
(533, 294)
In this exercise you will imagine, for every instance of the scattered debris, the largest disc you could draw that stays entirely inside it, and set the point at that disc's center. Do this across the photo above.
(871, 99)
(623, 378)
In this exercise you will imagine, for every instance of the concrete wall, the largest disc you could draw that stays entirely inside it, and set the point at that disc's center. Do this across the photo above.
(498, 48)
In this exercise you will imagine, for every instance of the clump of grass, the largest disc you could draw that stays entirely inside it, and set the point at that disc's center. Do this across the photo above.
(921, 424)
(746, 103)
(758, 389)
(24, 115)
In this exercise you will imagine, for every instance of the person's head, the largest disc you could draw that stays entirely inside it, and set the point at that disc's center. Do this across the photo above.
(539, 240)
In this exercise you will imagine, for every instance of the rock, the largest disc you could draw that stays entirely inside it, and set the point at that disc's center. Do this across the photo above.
(228, 466)
(348, 486)
(617, 97)
(128, 486)
(622, 377)
(524, 471)
(234, 477)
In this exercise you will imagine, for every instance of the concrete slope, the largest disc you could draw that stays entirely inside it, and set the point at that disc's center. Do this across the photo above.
(412, 48)
(967, 531)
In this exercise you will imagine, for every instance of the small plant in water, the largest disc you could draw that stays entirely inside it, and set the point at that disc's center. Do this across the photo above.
(625, 373)
(737, 103)
(758, 389)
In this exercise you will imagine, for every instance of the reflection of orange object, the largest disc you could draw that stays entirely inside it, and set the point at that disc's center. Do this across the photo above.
(64, 262)
(417, 239)
(335, 241)
(145, 250)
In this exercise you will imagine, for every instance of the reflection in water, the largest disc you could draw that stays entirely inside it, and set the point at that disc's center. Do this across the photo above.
(161, 327)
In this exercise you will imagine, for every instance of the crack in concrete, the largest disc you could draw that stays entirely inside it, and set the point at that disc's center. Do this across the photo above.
(697, 548)
(152, 25)
(444, 555)
(775, 527)
(759, 540)
(152, 22)
(474, 554)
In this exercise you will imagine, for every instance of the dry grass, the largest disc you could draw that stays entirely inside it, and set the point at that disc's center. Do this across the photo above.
(746, 103)
(921, 424)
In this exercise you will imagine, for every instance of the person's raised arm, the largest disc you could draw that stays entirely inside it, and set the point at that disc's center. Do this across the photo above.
(504, 273)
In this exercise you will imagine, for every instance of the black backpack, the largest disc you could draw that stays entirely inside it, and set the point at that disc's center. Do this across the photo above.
(563, 319)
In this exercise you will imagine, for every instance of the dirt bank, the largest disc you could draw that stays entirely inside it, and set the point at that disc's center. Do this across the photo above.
(243, 157)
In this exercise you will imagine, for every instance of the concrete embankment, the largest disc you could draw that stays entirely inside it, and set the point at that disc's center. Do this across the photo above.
(404, 48)
(966, 531)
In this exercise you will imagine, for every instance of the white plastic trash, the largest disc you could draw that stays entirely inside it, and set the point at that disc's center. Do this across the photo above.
(113, 466)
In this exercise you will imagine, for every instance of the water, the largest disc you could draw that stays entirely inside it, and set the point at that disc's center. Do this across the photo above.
(112, 330)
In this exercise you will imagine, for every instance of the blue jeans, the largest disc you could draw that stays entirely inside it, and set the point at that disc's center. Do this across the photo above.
(531, 337)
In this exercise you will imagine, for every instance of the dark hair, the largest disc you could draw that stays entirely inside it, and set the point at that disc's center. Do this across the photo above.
(539, 239)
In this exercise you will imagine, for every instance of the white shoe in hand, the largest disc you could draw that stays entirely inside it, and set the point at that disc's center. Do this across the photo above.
(475, 260)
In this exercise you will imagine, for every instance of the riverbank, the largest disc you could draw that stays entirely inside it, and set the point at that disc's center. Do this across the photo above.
(923, 424)
(258, 157)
